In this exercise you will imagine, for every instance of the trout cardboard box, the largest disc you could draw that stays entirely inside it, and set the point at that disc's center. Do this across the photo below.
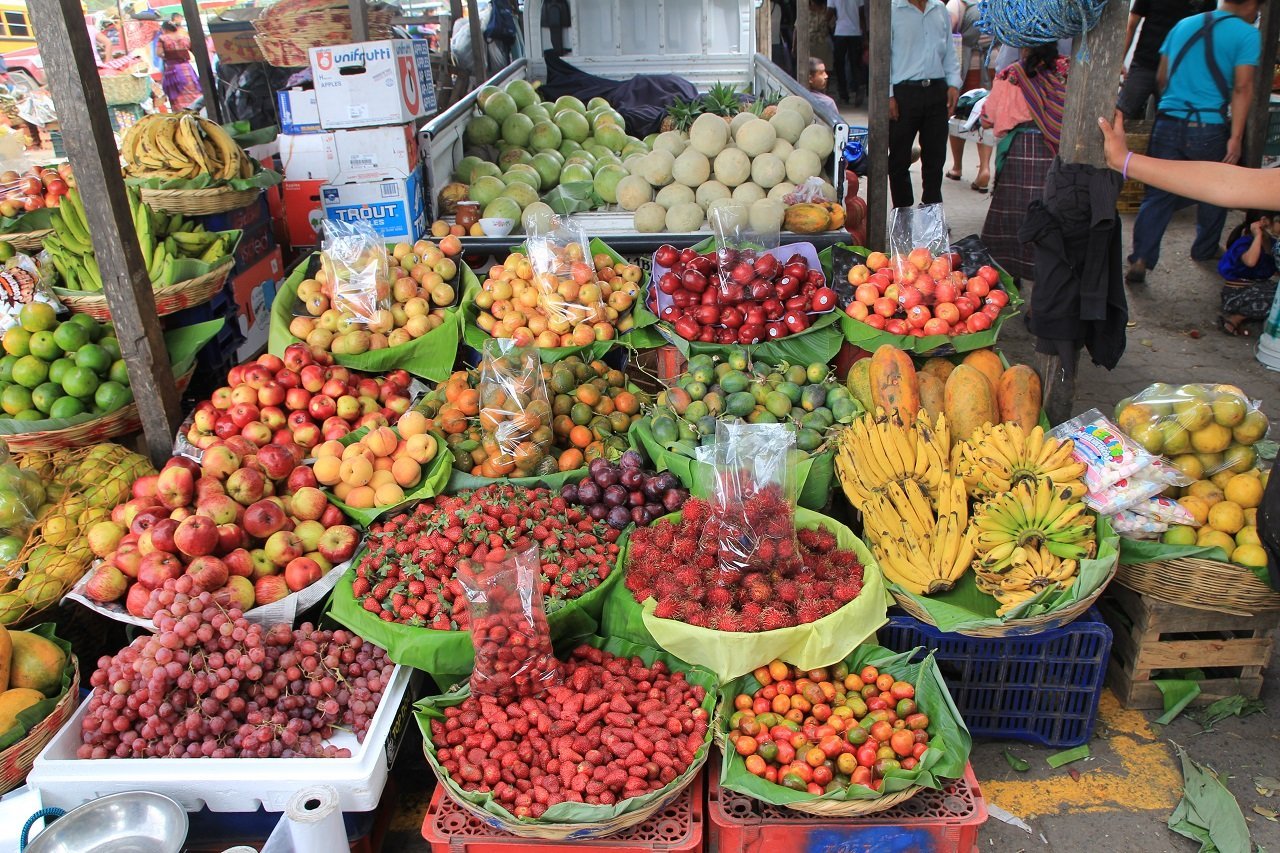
(393, 207)
(372, 83)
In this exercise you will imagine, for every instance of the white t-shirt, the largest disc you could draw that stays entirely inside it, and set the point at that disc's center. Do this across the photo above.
(847, 21)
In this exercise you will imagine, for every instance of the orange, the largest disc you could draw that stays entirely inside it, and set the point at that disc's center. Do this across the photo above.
(452, 420)
(627, 402)
(561, 426)
(580, 436)
(588, 394)
(469, 401)
(570, 460)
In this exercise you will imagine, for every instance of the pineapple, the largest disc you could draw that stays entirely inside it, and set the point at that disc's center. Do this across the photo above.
(680, 114)
(722, 100)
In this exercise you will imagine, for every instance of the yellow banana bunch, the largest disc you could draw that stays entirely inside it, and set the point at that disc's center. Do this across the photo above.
(1033, 515)
(1034, 570)
(997, 458)
(920, 548)
(182, 145)
(880, 449)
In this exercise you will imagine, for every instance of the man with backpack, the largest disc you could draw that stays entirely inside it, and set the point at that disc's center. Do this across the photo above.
(1156, 17)
(1207, 68)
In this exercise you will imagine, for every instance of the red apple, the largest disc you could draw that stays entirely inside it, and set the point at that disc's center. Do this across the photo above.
(312, 377)
(937, 326)
(207, 487)
(309, 532)
(222, 508)
(247, 486)
(231, 537)
(269, 589)
(308, 504)
(145, 487)
(283, 546)
(332, 516)
(272, 417)
(136, 600)
(272, 363)
(301, 573)
(106, 584)
(127, 558)
(296, 357)
(209, 573)
(947, 312)
(301, 478)
(146, 519)
(239, 562)
(219, 461)
(297, 399)
(338, 543)
(262, 565)
(276, 461)
(158, 567)
(176, 486)
(237, 594)
(263, 518)
(977, 322)
(197, 536)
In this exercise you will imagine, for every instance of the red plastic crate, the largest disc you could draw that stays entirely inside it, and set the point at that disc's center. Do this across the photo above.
(945, 821)
(676, 829)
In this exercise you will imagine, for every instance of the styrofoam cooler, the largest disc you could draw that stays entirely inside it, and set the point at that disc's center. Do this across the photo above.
(1268, 350)
(230, 784)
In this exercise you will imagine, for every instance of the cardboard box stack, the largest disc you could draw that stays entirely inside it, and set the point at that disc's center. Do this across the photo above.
(349, 147)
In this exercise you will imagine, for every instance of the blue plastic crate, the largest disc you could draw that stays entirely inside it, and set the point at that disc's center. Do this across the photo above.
(1042, 688)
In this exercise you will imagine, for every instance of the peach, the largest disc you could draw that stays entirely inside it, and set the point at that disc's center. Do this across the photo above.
(382, 441)
(332, 448)
(357, 449)
(382, 463)
(380, 478)
(411, 424)
(421, 448)
(407, 472)
(357, 471)
(341, 490)
(360, 497)
(387, 495)
(328, 470)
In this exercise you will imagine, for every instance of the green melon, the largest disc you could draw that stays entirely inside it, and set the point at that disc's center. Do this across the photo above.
(516, 129)
(499, 107)
(482, 130)
(545, 135)
(522, 92)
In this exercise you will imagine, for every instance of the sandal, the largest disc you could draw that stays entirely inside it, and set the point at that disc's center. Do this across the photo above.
(953, 176)
(1235, 328)
(974, 186)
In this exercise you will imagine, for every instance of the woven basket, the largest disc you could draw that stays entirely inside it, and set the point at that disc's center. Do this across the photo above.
(119, 422)
(16, 761)
(1201, 584)
(285, 46)
(169, 299)
(1015, 627)
(126, 88)
(26, 241)
(854, 808)
(199, 202)
(576, 831)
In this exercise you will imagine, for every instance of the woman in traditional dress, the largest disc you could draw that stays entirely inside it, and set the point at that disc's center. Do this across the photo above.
(180, 83)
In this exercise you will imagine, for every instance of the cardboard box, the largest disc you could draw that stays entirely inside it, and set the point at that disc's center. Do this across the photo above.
(243, 218)
(255, 244)
(232, 34)
(297, 111)
(303, 211)
(255, 289)
(393, 207)
(373, 83)
(376, 153)
(308, 156)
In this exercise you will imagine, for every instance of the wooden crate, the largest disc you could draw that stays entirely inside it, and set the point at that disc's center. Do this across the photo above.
(1150, 636)
(1138, 133)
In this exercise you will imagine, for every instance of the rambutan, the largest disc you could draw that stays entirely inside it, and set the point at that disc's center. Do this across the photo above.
(704, 561)
(666, 609)
(690, 609)
(694, 513)
(821, 590)
(750, 610)
(722, 619)
(643, 594)
(772, 618)
(718, 596)
(846, 561)
(749, 623)
(683, 548)
(687, 576)
(811, 611)
(698, 619)
(846, 590)
(759, 592)
(787, 590)
(668, 587)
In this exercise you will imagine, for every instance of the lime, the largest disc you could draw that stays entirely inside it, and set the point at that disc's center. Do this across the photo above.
(93, 357)
(92, 326)
(30, 371)
(58, 369)
(80, 382)
(10, 545)
(6, 367)
(44, 347)
(45, 394)
(34, 316)
(7, 251)
(14, 399)
(111, 345)
(119, 373)
(111, 396)
(71, 335)
(17, 341)
(66, 407)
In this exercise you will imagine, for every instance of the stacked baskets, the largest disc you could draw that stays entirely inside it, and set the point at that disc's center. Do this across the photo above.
(287, 30)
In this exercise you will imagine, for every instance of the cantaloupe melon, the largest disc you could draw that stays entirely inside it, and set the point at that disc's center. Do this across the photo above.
(709, 134)
(692, 168)
(756, 137)
(732, 167)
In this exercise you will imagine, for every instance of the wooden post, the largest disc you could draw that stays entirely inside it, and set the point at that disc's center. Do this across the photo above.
(764, 29)
(200, 53)
(879, 24)
(1255, 136)
(73, 78)
(359, 20)
(802, 43)
(480, 68)
(1092, 87)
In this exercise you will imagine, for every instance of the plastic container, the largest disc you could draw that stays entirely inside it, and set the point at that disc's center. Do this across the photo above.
(945, 821)
(676, 829)
(1042, 688)
(230, 784)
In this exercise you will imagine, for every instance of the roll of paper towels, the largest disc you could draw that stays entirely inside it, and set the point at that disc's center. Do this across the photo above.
(312, 823)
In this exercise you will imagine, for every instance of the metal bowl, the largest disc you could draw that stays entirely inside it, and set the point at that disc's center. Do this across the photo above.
(130, 822)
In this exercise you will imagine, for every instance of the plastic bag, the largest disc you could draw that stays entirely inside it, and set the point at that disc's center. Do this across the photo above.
(22, 493)
(1133, 525)
(738, 247)
(23, 280)
(1122, 494)
(515, 412)
(812, 191)
(753, 497)
(508, 625)
(1167, 510)
(919, 241)
(565, 275)
(355, 271)
(1218, 425)
(1108, 454)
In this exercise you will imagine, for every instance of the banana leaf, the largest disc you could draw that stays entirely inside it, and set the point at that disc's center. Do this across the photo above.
(432, 707)
(430, 356)
(868, 338)
(817, 344)
(434, 476)
(949, 740)
(460, 480)
(814, 473)
(183, 345)
(729, 654)
(448, 656)
(28, 220)
(28, 718)
(967, 608)
(185, 269)
(1134, 551)
(260, 179)
(243, 134)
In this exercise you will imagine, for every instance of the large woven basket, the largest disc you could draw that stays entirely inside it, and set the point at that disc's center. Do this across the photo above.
(1015, 627)
(16, 761)
(122, 421)
(289, 47)
(854, 808)
(575, 831)
(1201, 584)
(169, 299)
(26, 241)
(199, 202)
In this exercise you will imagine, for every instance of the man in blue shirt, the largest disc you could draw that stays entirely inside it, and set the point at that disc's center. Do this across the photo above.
(924, 77)
(1207, 68)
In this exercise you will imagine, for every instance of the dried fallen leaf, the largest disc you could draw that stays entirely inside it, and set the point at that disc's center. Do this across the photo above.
(1266, 785)
(1269, 814)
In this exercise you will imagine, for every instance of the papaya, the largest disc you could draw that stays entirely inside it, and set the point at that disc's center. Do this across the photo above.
(970, 402)
(37, 663)
(988, 364)
(893, 383)
(1018, 396)
(14, 702)
(806, 218)
(859, 382)
(939, 367)
(6, 654)
(932, 394)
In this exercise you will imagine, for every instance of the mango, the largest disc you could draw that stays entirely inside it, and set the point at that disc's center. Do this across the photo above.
(37, 663)
(13, 702)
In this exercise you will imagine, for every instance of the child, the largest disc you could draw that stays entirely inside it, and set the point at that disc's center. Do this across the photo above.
(1248, 270)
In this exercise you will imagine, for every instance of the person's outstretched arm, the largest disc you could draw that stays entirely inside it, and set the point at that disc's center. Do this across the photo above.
(1216, 183)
